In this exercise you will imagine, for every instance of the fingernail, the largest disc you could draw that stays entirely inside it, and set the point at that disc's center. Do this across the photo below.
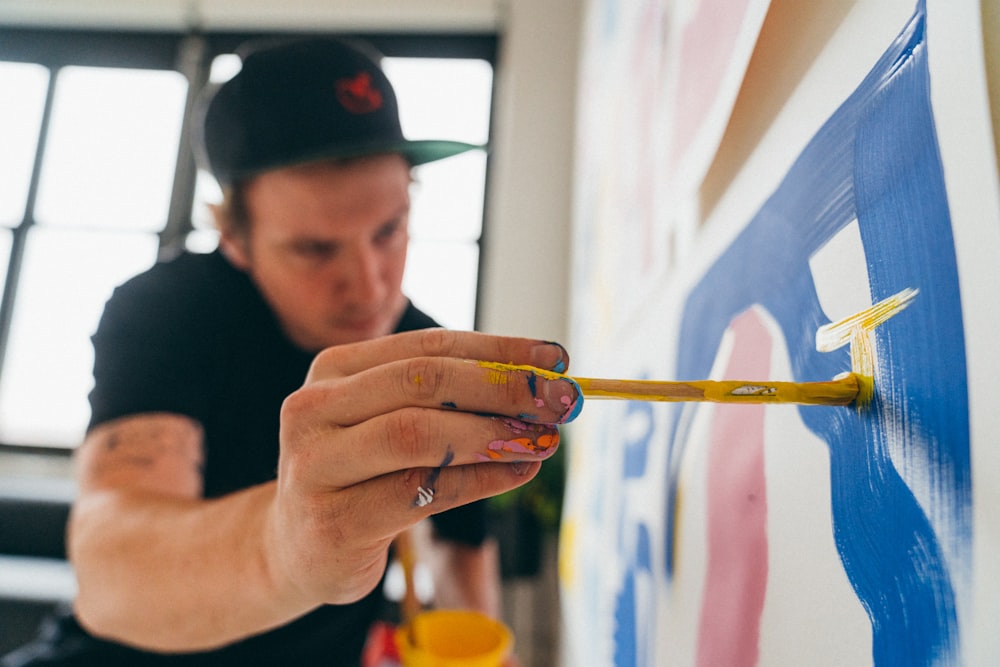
(535, 440)
(563, 394)
(551, 356)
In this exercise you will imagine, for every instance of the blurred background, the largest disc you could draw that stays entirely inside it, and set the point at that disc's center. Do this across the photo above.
(98, 181)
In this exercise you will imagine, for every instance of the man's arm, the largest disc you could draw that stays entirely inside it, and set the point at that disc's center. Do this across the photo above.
(381, 435)
(158, 566)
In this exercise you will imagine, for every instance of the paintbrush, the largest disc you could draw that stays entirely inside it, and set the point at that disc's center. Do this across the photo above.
(853, 387)
(842, 390)
(410, 604)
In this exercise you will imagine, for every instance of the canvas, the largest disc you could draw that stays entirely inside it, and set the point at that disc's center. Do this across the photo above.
(780, 535)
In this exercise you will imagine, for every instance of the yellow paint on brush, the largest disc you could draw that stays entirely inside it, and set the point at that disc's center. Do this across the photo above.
(856, 331)
(840, 391)
(857, 387)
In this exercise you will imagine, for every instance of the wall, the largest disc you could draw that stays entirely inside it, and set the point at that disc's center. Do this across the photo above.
(526, 267)
(749, 172)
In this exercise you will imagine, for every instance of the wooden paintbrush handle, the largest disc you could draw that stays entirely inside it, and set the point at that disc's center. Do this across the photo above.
(840, 391)
(407, 554)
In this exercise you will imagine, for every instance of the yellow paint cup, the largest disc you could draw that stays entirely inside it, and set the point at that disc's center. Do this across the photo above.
(454, 638)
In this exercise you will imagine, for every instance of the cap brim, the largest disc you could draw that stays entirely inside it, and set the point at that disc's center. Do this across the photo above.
(431, 150)
(416, 152)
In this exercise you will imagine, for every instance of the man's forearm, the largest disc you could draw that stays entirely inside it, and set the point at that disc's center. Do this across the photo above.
(170, 574)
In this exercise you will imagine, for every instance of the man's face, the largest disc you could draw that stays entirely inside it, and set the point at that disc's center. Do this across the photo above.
(327, 246)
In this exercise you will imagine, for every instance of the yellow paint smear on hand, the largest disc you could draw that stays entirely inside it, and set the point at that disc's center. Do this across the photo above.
(500, 373)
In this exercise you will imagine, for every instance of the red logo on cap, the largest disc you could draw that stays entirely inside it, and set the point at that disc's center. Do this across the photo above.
(357, 95)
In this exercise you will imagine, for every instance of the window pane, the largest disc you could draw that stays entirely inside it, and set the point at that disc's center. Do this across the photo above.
(224, 67)
(201, 241)
(441, 279)
(206, 193)
(443, 97)
(448, 199)
(23, 89)
(446, 98)
(112, 148)
(66, 278)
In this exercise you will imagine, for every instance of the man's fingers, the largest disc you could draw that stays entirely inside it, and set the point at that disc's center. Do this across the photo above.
(387, 432)
(435, 382)
(391, 503)
(363, 519)
(414, 438)
(344, 360)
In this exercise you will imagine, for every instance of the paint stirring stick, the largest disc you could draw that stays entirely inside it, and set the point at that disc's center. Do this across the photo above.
(839, 391)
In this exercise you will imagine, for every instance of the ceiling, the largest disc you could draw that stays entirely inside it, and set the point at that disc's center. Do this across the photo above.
(382, 15)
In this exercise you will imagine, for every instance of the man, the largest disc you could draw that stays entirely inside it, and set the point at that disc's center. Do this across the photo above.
(229, 513)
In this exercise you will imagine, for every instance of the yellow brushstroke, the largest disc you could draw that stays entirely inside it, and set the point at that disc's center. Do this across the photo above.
(567, 544)
(856, 331)
(835, 335)
(863, 363)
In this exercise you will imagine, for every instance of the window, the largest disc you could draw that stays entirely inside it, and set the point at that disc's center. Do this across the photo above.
(444, 98)
(98, 180)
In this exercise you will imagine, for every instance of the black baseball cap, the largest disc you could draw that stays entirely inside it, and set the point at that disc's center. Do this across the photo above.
(300, 100)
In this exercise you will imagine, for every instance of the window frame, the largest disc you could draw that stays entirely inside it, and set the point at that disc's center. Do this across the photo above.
(191, 54)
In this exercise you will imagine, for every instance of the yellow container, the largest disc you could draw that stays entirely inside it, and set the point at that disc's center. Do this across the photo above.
(454, 638)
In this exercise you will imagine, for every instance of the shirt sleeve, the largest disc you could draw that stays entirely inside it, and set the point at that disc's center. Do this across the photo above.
(144, 355)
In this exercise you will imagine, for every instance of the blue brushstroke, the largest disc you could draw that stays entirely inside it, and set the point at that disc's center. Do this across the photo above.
(635, 452)
(632, 618)
(875, 159)
(625, 641)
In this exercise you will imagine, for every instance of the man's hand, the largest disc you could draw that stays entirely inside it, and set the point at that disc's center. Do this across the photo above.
(385, 433)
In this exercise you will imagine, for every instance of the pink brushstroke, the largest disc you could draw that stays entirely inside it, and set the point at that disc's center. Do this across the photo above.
(736, 576)
(708, 46)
